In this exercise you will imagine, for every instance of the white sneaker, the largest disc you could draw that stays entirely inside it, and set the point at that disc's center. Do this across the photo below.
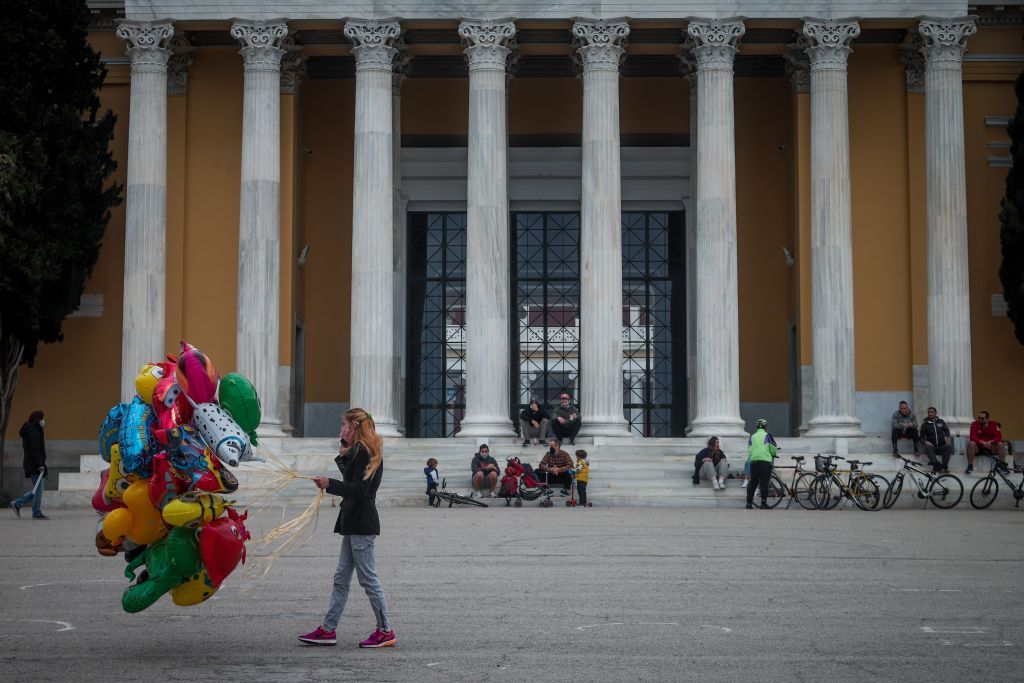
(714, 484)
(746, 482)
(491, 495)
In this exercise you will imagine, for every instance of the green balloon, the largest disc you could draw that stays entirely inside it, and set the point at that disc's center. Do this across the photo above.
(169, 562)
(238, 398)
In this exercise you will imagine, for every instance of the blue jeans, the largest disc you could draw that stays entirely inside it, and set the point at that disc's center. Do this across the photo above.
(357, 554)
(36, 497)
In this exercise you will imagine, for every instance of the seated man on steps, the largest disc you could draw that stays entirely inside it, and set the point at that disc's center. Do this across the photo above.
(566, 423)
(986, 439)
(904, 426)
(937, 441)
(554, 467)
(533, 423)
(485, 471)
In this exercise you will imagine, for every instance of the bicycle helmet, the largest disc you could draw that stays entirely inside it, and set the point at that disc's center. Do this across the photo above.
(762, 423)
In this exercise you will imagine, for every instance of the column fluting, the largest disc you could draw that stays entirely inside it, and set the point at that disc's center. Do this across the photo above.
(600, 46)
(831, 230)
(145, 241)
(487, 230)
(259, 224)
(716, 300)
(949, 315)
(372, 318)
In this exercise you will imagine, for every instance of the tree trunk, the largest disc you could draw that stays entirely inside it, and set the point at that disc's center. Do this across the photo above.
(11, 353)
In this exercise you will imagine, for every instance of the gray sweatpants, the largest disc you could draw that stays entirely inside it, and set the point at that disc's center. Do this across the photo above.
(357, 554)
(708, 470)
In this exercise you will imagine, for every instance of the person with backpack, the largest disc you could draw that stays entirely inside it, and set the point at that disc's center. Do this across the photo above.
(762, 448)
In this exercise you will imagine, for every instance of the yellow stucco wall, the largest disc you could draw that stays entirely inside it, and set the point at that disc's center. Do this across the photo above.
(75, 382)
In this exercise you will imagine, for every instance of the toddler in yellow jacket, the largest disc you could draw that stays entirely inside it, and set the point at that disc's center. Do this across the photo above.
(582, 471)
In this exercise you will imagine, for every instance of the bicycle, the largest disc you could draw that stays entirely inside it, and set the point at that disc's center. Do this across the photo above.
(985, 490)
(799, 488)
(944, 491)
(829, 485)
(455, 498)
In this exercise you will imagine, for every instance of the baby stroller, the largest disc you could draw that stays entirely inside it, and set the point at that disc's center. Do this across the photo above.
(520, 483)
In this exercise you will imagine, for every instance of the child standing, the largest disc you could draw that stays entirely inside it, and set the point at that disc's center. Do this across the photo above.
(582, 470)
(430, 471)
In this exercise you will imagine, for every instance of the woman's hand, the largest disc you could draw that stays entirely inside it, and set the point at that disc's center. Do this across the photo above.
(321, 482)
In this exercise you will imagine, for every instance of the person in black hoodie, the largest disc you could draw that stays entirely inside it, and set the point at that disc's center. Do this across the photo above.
(937, 441)
(34, 445)
(361, 461)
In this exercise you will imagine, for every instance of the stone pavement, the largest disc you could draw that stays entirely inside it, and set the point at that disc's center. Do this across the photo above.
(552, 595)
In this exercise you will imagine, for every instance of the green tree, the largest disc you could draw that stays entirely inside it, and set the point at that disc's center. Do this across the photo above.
(1011, 232)
(55, 165)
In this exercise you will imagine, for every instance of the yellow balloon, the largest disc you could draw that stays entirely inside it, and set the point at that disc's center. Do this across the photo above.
(117, 524)
(196, 589)
(145, 383)
(193, 509)
(117, 480)
(147, 526)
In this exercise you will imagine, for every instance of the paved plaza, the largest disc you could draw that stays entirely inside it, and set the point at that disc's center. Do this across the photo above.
(553, 595)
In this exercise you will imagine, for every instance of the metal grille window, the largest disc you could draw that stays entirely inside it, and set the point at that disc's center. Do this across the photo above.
(546, 304)
(653, 323)
(436, 338)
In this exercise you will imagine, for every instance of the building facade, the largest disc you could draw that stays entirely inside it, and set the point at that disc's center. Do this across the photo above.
(684, 219)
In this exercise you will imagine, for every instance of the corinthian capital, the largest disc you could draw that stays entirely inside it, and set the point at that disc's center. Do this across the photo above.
(913, 61)
(600, 44)
(945, 40)
(147, 43)
(178, 66)
(373, 42)
(487, 43)
(261, 41)
(798, 65)
(293, 66)
(715, 41)
(829, 42)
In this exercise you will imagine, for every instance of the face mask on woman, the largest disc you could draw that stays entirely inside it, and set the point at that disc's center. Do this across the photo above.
(42, 423)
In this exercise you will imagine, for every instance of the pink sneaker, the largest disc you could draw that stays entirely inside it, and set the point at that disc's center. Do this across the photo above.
(379, 638)
(320, 636)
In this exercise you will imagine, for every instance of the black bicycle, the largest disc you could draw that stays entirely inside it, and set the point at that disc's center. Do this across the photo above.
(944, 491)
(455, 498)
(799, 488)
(985, 491)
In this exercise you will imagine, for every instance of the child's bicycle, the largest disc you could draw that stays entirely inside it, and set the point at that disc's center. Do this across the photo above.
(986, 490)
(455, 498)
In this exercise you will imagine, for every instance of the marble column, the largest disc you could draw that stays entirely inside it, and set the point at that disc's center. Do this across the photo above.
(600, 46)
(145, 240)
(259, 226)
(688, 65)
(949, 315)
(372, 326)
(831, 230)
(716, 300)
(398, 75)
(487, 231)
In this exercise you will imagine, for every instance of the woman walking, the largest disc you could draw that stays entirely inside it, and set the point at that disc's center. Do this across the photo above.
(361, 461)
(34, 463)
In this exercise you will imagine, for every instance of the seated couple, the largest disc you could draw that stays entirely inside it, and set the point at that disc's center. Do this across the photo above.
(534, 421)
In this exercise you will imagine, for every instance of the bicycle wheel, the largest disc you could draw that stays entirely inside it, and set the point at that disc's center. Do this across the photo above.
(984, 493)
(945, 491)
(865, 494)
(802, 491)
(883, 488)
(825, 493)
(894, 492)
(776, 491)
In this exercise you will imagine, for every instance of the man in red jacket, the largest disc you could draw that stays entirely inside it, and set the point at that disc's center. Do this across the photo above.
(986, 439)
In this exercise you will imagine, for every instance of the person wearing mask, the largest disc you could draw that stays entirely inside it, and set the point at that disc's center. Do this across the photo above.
(485, 471)
(34, 446)
(937, 441)
(554, 467)
(762, 449)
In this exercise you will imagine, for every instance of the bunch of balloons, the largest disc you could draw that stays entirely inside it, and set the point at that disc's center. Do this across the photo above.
(163, 498)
